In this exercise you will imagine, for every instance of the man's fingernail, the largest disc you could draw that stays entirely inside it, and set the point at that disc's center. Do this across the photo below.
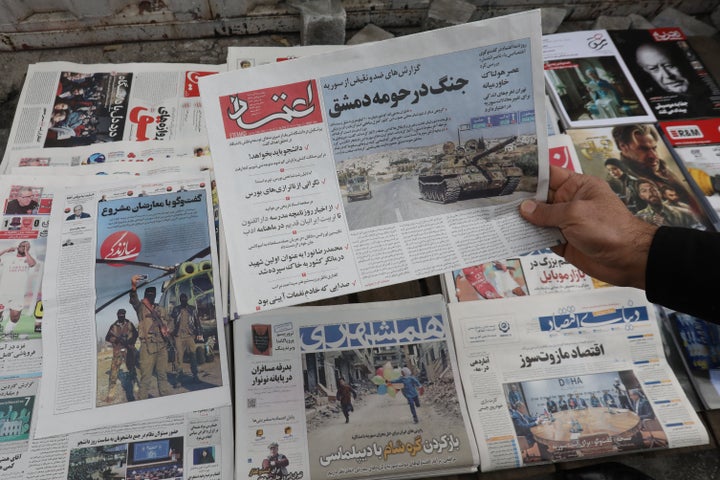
(528, 206)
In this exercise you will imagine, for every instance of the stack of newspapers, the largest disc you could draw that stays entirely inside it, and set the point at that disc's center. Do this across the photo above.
(162, 223)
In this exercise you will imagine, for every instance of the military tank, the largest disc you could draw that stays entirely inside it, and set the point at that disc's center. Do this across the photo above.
(464, 172)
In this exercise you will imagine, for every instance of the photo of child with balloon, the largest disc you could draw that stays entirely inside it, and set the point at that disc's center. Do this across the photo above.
(388, 379)
(383, 395)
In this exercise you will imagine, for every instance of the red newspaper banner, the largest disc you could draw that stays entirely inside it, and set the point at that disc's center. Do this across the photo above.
(270, 109)
(692, 132)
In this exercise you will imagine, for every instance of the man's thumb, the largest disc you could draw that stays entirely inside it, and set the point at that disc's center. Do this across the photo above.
(535, 213)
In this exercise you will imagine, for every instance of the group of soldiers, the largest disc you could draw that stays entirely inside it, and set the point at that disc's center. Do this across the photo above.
(164, 340)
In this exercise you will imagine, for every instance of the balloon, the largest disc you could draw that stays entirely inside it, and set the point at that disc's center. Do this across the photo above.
(379, 371)
(378, 380)
(392, 392)
(382, 389)
(389, 373)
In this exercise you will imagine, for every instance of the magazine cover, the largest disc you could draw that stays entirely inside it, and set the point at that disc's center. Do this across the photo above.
(670, 74)
(697, 145)
(589, 82)
(639, 167)
(353, 391)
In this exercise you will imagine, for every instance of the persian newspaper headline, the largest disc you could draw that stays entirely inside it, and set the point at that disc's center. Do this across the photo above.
(353, 391)
(161, 446)
(373, 173)
(130, 286)
(554, 378)
(99, 113)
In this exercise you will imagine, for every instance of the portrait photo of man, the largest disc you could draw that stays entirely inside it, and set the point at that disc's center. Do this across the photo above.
(24, 203)
(78, 213)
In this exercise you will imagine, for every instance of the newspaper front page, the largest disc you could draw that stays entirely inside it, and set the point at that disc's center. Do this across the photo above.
(131, 289)
(374, 173)
(555, 378)
(194, 445)
(352, 391)
(72, 105)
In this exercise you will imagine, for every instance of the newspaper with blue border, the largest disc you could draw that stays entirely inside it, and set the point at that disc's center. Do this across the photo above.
(560, 377)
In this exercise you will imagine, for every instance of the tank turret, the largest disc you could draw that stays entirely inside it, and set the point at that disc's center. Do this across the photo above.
(465, 172)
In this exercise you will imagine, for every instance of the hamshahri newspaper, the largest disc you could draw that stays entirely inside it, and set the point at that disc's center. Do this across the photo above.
(71, 105)
(553, 378)
(353, 391)
(370, 173)
(169, 445)
(589, 82)
(132, 266)
(669, 72)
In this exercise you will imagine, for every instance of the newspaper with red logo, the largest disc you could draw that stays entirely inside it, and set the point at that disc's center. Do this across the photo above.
(380, 163)
(169, 440)
(697, 143)
(111, 107)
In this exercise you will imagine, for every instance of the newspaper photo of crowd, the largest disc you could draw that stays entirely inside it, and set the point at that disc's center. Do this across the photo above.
(87, 108)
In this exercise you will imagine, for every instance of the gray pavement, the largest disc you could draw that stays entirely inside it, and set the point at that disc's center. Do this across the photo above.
(701, 463)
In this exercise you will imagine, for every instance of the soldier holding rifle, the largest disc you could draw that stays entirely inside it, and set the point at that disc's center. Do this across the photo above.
(155, 340)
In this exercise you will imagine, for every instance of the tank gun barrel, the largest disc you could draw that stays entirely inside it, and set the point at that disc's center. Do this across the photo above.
(493, 149)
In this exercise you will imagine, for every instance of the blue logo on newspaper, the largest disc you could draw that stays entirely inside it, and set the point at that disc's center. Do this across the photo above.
(371, 334)
(627, 316)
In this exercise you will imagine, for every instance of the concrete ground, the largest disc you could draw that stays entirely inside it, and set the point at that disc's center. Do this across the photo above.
(702, 463)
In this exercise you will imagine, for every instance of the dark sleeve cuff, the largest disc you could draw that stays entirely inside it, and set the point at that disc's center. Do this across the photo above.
(682, 272)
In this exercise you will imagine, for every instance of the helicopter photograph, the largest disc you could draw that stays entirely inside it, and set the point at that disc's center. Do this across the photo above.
(156, 309)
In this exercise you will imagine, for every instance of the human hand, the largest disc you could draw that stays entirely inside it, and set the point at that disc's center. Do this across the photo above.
(604, 239)
(135, 279)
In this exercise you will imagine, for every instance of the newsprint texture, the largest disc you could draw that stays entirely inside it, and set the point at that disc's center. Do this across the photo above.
(369, 173)
(352, 391)
(551, 378)
(131, 283)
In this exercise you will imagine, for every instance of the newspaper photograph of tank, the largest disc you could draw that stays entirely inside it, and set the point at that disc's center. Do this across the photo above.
(432, 136)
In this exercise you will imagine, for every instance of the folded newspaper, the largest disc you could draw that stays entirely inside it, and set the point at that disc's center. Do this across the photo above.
(380, 163)
(353, 391)
(552, 378)
(114, 108)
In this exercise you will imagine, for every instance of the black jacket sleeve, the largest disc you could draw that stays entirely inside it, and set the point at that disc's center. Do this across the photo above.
(683, 272)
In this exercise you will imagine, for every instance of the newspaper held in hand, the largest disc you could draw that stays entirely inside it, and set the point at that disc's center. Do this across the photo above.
(444, 132)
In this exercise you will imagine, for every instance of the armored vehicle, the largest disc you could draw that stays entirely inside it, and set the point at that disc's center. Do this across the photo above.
(358, 188)
(465, 172)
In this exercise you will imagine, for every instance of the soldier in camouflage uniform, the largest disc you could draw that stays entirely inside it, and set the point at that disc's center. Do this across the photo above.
(154, 339)
(187, 330)
(122, 335)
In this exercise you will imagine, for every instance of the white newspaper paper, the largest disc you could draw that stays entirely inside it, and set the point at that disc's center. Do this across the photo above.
(353, 391)
(71, 105)
(245, 57)
(561, 377)
(192, 445)
(395, 161)
(157, 231)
